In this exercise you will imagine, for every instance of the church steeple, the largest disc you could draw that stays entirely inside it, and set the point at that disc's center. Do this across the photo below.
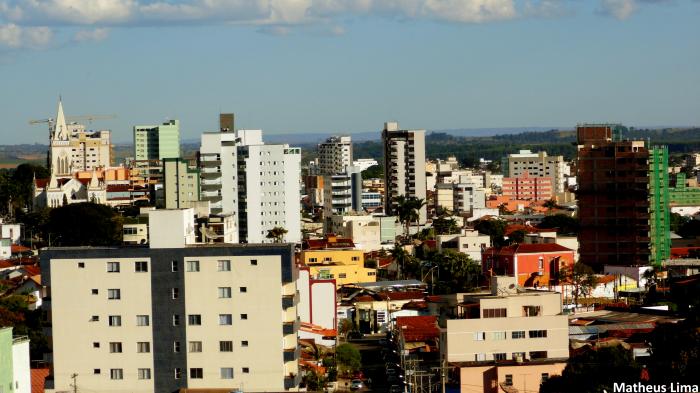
(60, 130)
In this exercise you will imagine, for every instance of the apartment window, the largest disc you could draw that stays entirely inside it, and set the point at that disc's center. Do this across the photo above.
(225, 319)
(499, 335)
(532, 311)
(538, 354)
(96, 371)
(142, 320)
(479, 357)
(177, 372)
(254, 262)
(479, 336)
(112, 267)
(545, 377)
(114, 294)
(313, 260)
(540, 263)
(95, 318)
(192, 266)
(494, 313)
(95, 344)
(243, 289)
(195, 346)
(227, 373)
(226, 346)
(116, 373)
(144, 373)
(537, 333)
(499, 356)
(176, 320)
(176, 346)
(244, 316)
(174, 293)
(143, 347)
(194, 319)
(115, 320)
(517, 334)
(245, 370)
(519, 356)
(173, 266)
(224, 292)
(95, 291)
(81, 265)
(141, 267)
(244, 343)
(509, 380)
(115, 347)
(355, 258)
(342, 275)
(196, 373)
(224, 265)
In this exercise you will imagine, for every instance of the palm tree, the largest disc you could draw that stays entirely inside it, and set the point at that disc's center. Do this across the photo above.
(402, 258)
(276, 233)
(407, 209)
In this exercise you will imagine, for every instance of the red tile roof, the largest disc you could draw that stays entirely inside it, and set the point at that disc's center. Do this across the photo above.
(527, 228)
(527, 249)
(32, 270)
(419, 328)
(16, 248)
(38, 376)
(683, 252)
(329, 242)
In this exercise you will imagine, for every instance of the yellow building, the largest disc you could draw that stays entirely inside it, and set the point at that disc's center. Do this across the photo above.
(336, 258)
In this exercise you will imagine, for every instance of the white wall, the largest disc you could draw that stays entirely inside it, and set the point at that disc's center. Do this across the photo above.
(11, 231)
(171, 228)
(323, 304)
(20, 367)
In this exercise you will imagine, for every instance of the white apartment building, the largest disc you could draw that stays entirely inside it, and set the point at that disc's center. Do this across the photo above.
(173, 315)
(468, 241)
(364, 163)
(257, 183)
(335, 155)
(404, 166)
(467, 197)
(538, 165)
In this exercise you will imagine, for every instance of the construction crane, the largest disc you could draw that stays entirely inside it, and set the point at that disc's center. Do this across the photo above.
(72, 119)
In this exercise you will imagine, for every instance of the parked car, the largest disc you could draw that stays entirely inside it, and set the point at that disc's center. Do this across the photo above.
(356, 384)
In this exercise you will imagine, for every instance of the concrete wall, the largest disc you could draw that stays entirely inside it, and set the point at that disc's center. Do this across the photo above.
(6, 359)
(20, 366)
(525, 378)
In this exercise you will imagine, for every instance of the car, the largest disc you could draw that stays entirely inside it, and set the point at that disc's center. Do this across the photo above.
(356, 384)
(395, 389)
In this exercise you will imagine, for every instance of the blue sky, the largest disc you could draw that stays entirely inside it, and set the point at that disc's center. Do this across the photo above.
(291, 66)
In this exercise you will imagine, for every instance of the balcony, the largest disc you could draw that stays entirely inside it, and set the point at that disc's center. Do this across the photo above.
(291, 354)
(210, 163)
(292, 381)
(290, 300)
(290, 327)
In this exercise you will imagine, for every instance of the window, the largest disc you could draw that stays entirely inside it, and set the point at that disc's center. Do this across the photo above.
(243, 289)
(141, 267)
(499, 356)
(81, 265)
(115, 320)
(95, 344)
(225, 319)
(509, 380)
(144, 373)
(176, 346)
(517, 334)
(175, 293)
(114, 294)
(499, 335)
(143, 347)
(531, 311)
(538, 354)
(312, 260)
(96, 371)
(244, 316)
(116, 373)
(177, 372)
(142, 320)
(537, 333)
(176, 320)
(479, 336)
(224, 265)
(227, 373)
(245, 370)
(545, 377)
(196, 373)
(224, 292)
(115, 347)
(244, 343)
(95, 318)
(194, 319)
(173, 266)
(195, 346)
(226, 346)
(355, 258)
(192, 266)
(494, 313)
(540, 263)
(112, 267)
(342, 275)
(519, 356)
(95, 291)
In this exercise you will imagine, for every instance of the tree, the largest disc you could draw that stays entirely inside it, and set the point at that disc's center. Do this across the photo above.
(494, 228)
(344, 327)
(675, 352)
(348, 357)
(462, 273)
(84, 224)
(407, 210)
(677, 221)
(276, 233)
(565, 224)
(445, 226)
(517, 236)
(550, 205)
(581, 279)
(403, 260)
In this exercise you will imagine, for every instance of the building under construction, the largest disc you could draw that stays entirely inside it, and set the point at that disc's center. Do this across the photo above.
(622, 198)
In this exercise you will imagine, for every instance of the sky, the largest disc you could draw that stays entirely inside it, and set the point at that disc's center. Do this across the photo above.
(345, 66)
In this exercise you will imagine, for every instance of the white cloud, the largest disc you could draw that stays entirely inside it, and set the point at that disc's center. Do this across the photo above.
(15, 36)
(98, 34)
(546, 9)
(619, 9)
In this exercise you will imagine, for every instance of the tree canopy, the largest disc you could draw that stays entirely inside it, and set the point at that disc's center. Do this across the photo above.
(565, 224)
(348, 357)
(84, 224)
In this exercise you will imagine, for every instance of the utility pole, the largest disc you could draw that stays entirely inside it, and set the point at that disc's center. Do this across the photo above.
(443, 373)
(74, 376)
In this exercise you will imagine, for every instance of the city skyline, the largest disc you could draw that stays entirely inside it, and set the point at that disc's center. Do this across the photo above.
(348, 66)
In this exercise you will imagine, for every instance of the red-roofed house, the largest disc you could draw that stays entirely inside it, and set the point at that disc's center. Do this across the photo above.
(534, 265)
(417, 334)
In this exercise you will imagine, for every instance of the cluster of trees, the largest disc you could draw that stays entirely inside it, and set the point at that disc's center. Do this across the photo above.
(25, 322)
(16, 188)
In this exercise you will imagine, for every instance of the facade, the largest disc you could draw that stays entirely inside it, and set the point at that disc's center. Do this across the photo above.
(622, 199)
(528, 188)
(469, 242)
(538, 165)
(173, 316)
(342, 192)
(317, 305)
(364, 163)
(368, 232)
(336, 258)
(14, 357)
(156, 142)
(180, 183)
(256, 183)
(135, 233)
(533, 265)
(467, 197)
(491, 335)
(404, 167)
(335, 155)
(682, 195)
(72, 148)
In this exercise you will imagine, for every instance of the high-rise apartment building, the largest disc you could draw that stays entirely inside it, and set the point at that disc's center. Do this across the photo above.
(622, 198)
(257, 183)
(528, 188)
(175, 315)
(180, 183)
(404, 166)
(537, 165)
(335, 155)
(73, 149)
(156, 142)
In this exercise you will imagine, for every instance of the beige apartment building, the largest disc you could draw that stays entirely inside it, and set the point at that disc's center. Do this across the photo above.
(180, 183)
(182, 315)
(538, 165)
(507, 338)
